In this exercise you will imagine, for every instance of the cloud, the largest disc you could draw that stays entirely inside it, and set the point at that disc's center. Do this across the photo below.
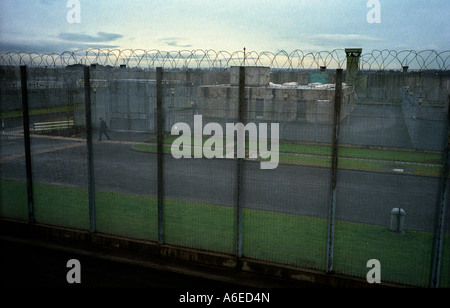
(333, 40)
(326, 41)
(101, 37)
(49, 47)
(60, 43)
(173, 42)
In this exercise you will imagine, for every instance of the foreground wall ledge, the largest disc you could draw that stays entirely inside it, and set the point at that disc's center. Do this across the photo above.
(213, 265)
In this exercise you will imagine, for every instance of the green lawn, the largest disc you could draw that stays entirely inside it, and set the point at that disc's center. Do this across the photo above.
(363, 165)
(344, 151)
(35, 111)
(288, 239)
(353, 158)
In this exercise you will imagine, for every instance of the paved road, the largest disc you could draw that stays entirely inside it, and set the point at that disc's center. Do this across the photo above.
(361, 196)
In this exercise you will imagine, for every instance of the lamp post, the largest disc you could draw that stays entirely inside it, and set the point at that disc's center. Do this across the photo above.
(285, 97)
(172, 96)
(94, 101)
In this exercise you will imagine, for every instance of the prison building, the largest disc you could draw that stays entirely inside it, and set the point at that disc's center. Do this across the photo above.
(267, 101)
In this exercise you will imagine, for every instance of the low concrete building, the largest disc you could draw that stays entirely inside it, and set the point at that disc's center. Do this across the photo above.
(313, 103)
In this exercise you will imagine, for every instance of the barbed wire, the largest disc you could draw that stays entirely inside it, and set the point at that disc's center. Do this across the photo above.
(377, 60)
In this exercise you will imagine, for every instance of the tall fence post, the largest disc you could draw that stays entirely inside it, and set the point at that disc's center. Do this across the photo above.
(241, 119)
(27, 141)
(334, 167)
(160, 140)
(440, 231)
(90, 150)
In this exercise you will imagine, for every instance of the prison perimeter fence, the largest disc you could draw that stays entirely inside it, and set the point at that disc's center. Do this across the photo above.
(343, 156)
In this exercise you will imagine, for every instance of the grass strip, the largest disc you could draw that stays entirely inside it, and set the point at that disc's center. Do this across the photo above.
(349, 158)
(287, 239)
(344, 151)
(35, 111)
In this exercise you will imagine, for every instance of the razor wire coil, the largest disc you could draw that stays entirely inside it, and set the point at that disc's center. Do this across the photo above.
(376, 60)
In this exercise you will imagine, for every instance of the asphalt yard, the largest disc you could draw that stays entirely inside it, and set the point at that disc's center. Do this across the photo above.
(364, 197)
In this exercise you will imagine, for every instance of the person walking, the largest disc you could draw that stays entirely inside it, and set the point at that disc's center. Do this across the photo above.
(103, 129)
(194, 108)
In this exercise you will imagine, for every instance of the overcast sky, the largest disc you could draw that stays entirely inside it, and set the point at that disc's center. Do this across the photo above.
(259, 25)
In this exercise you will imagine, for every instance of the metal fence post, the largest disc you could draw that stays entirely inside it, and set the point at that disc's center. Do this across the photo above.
(239, 169)
(334, 166)
(90, 150)
(160, 140)
(440, 231)
(27, 141)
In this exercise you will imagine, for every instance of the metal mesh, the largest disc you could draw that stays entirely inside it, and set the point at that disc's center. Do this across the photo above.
(13, 187)
(391, 158)
(124, 167)
(444, 281)
(199, 192)
(392, 135)
(58, 151)
(285, 209)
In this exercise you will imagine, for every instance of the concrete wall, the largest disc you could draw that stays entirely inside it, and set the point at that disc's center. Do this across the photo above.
(374, 86)
(389, 86)
(254, 76)
(127, 98)
(279, 104)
